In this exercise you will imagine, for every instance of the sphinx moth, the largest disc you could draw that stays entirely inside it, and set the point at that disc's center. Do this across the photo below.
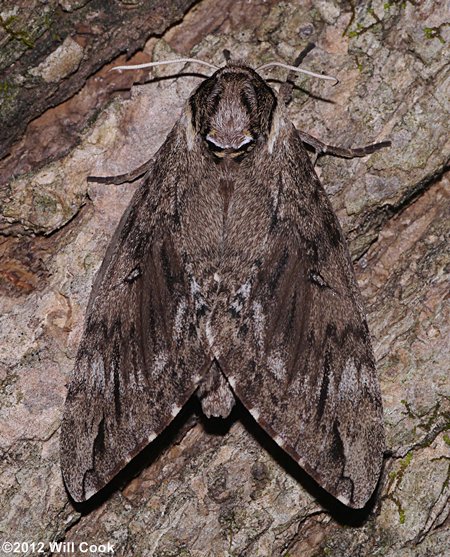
(228, 277)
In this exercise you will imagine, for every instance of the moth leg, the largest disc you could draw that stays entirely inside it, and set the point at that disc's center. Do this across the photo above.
(285, 92)
(122, 178)
(321, 148)
(226, 54)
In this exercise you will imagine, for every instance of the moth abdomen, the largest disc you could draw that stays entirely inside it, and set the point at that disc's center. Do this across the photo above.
(215, 394)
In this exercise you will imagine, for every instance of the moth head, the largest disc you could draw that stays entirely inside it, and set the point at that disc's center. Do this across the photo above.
(232, 110)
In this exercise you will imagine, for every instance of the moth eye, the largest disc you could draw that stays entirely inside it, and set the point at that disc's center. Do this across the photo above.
(213, 144)
(233, 146)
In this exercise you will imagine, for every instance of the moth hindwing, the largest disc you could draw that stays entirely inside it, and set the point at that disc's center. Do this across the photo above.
(228, 277)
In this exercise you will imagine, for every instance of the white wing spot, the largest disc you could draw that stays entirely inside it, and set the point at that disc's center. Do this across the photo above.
(255, 413)
(236, 306)
(178, 325)
(209, 333)
(349, 386)
(195, 287)
(344, 500)
(89, 493)
(276, 365)
(279, 441)
(232, 381)
(133, 275)
(217, 277)
(174, 410)
(242, 293)
(98, 372)
(160, 362)
(244, 289)
(260, 323)
(151, 437)
(210, 338)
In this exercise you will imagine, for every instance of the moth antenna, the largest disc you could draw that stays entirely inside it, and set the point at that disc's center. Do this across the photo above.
(163, 62)
(299, 70)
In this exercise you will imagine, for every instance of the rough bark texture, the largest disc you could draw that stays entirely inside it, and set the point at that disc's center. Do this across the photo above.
(46, 58)
(223, 489)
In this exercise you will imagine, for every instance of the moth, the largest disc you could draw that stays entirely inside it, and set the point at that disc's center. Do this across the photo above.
(229, 278)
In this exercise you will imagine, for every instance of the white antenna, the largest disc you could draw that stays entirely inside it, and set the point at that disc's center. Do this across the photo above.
(299, 70)
(162, 62)
(195, 61)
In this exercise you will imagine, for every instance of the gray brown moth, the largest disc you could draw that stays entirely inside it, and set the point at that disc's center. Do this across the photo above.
(228, 277)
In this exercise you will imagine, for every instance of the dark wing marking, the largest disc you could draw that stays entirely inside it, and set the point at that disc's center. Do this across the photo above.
(300, 358)
(139, 359)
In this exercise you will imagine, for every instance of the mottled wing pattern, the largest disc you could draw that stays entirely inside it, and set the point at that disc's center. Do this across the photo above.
(139, 359)
(300, 358)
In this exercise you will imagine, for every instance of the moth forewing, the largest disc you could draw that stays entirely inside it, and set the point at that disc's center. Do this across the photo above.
(228, 276)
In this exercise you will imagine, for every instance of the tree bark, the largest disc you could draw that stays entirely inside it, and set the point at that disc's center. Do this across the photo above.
(224, 489)
(49, 52)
